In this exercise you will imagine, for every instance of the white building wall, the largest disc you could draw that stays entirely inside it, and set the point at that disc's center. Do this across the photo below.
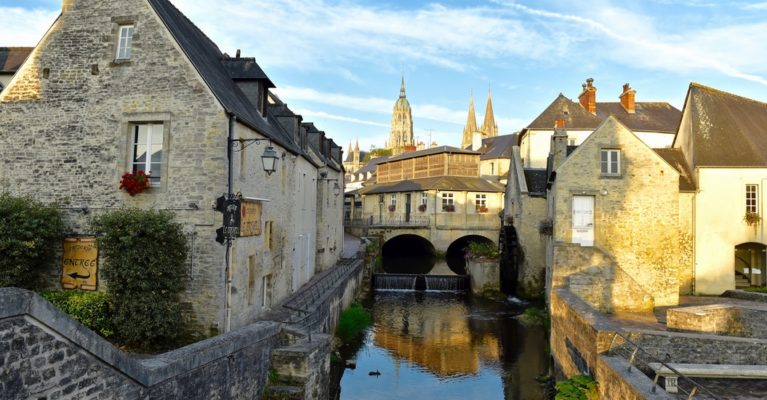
(718, 214)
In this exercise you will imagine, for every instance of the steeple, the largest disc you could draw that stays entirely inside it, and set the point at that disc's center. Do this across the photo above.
(489, 128)
(471, 126)
(356, 153)
(401, 135)
(402, 87)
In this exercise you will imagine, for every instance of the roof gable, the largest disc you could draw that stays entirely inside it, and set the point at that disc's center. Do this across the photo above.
(11, 58)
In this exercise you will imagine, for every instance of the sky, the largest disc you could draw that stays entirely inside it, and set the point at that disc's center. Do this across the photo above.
(339, 63)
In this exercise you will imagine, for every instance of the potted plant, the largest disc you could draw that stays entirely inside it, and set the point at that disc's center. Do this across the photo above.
(422, 207)
(134, 183)
(392, 208)
(752, 218)
(481, 209)
(448, 208)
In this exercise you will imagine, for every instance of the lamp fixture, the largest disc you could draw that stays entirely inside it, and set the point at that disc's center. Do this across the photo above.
(336, 187)
(268, 158)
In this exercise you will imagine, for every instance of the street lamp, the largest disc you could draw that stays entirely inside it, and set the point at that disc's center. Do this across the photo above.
(336, 187)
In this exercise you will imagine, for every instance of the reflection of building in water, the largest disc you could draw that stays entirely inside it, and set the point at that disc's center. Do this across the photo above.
(434, 335)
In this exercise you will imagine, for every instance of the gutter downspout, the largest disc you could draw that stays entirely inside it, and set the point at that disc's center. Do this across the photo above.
(228, 258)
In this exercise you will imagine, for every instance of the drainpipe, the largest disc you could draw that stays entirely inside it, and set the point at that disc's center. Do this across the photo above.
(228, 256)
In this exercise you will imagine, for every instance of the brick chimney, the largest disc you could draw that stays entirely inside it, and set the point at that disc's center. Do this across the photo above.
(588, 97)
(627, 99)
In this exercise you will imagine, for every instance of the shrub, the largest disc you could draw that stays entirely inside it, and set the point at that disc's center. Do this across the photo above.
(145, 253)
(352, 323)
(92, 309)
(480, 249)
(29, 232)
(579, 387)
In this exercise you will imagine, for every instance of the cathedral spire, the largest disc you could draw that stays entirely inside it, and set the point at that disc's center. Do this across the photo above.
(489, 128)
(356, 145)
(402, 87)
(470, 127)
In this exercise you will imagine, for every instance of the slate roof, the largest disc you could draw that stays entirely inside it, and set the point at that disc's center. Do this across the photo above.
(677, 160)
(649, 116)
(245, 68)
(371, 165)
(536, 179)
(497, 147)
(429, 151)
(350, 156)
(207, 59)
(727, 130)
(11, 58)
(456, 183)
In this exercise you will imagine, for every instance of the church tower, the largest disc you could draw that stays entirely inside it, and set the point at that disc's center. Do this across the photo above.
(470, 127)
(401, 136)
(489, 127)
(356, 154)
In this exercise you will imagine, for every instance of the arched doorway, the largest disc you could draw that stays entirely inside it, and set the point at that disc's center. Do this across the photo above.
(456, 252)
(408, 254)
(750, 267)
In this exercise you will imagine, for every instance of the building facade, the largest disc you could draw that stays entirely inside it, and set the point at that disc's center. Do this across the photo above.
(134, 85)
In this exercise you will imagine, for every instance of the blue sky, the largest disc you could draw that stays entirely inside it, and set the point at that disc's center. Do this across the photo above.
(339, 62)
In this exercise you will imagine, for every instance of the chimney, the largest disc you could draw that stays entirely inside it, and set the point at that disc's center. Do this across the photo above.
(237, 55)
(588, 97)
(558, 147)
(627, 99)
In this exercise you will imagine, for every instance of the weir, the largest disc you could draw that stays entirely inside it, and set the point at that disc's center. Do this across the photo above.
(413, 282)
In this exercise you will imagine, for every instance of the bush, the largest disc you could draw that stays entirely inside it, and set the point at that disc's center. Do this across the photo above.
(352, 323)
(579, 387)
(29, 234)
(536, 317)
(480, 249)
(92, 309)
(145, 253)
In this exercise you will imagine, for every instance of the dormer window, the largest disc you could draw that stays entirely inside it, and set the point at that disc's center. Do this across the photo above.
(124, 42)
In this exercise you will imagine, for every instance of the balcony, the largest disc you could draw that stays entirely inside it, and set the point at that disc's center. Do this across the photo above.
(393, 221)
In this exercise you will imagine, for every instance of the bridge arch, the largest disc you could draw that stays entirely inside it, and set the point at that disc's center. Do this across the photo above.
(456, 252)
(408, 254)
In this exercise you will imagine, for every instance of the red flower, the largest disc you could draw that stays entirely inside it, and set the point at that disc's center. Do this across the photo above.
(134, 183)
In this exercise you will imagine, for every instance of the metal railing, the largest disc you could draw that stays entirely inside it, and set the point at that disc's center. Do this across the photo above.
(304, 304)
(390, 221)
(640, 359)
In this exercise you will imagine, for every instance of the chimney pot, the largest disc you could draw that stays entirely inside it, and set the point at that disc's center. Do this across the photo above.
(588, 98)
(628, 99)
(237, 55)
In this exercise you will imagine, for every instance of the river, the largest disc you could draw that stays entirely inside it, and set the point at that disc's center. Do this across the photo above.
(435, 345)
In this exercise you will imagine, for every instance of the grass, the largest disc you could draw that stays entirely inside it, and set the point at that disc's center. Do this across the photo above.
(756, 289)
(352, 323)
(536, 316)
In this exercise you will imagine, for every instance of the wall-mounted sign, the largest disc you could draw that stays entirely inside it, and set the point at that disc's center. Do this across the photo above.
(232, 217)
(79, 263)
(250, 218)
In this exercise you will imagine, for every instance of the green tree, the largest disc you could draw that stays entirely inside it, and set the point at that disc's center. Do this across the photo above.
(145, 253)
(29, 234)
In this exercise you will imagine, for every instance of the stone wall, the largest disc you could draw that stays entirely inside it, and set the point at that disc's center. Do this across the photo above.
(46, 354)
(636, 213)
(722, 319)
(696, 348)
(484, 275)
(616, 382)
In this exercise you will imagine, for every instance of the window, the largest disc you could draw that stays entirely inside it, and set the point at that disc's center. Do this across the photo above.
(424, 198)
(611, 162)
(124, 42)
(752, 199)
(447, 202)
(480, 203)
(251, 277)
(492, 168)
(571, 141)
(393, 200)
(147, 151)
(268, 235)
(266, 291)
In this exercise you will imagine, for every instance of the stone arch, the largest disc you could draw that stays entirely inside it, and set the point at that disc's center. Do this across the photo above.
(749, 264)
(408, 254)
(456, 252)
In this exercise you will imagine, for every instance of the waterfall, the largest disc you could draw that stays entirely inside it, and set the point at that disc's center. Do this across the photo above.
(446, 283)
(394, 282)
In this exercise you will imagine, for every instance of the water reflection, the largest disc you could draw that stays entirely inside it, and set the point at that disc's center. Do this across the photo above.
(446, 346)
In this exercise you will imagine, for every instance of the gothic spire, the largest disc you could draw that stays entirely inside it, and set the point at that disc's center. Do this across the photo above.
(489, 128)
(402, 87)
(470, 127)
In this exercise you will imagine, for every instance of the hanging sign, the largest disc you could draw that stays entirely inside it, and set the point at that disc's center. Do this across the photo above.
(250, 218)
(79, 263)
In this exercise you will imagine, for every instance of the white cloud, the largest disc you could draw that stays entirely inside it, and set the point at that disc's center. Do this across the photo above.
(24, 27)
(312, 114)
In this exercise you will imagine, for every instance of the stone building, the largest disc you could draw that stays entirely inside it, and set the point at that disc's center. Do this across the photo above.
(11, 59)
(134, 85)
(654, 123)
(355, 158)
(401, 134)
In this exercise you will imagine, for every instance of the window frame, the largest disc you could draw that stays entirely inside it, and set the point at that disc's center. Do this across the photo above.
(480, 201)
(124, 50)
(605, 166)
(154, 181)
(393, 200)
(424, 198)
(448, 199)
(752, 198)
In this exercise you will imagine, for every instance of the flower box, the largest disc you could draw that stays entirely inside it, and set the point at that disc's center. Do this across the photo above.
(422, 207)
(448, 208)
(134, 183)
(392, 208)
(481, 209)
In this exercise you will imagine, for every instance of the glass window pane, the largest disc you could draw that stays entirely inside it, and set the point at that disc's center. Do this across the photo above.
(156, 154)
(139, 154)
(157, 131)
